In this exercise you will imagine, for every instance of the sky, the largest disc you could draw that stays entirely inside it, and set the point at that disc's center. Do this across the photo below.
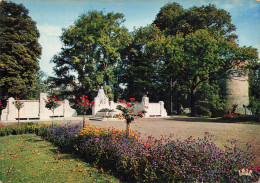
(51, 16)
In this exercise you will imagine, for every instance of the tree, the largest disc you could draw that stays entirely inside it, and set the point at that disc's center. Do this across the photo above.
(39, 87)
(84, 104)
(19, 50)
(173, 19)
(140, 63)
(52, 103)
(91, 51)
(201, 51)
(18, 104)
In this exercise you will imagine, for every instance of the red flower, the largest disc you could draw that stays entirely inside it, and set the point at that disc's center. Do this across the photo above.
(146, 144)
(77, 100)
(54, 96)
(136, 101)
(132, 99)
(255, 167)
(86, 96)
(122, 101)
(128, 105)
(139, 112)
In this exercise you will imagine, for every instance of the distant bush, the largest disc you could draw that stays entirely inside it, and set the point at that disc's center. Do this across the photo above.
(240, 117)
(163, 160)
(202, 111)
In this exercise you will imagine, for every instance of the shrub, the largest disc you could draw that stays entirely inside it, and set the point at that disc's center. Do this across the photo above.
(202, 111)
(163, 160)
(240, 117)
(23, 128)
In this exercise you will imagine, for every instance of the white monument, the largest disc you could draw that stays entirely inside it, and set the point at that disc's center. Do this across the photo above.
(152, 109)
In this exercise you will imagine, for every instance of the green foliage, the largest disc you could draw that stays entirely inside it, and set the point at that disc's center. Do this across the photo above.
(173, 19)
(237, 117)
(202, 111)
(40, 86)
(19, 49)
(92, 50)
(16, 129)
(18, 104)
(52, 103)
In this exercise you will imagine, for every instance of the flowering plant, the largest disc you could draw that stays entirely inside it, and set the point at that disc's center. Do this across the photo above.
(119, 116)
(84, 105)
(128, 112)
(107, 116)
(18, 104)
(142, 113)
(52, 103)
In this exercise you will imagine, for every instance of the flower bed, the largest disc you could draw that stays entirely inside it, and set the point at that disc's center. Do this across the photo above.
(163, 160)
(240, 117)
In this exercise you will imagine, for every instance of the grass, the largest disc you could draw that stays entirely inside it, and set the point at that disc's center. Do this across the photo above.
(28, 158)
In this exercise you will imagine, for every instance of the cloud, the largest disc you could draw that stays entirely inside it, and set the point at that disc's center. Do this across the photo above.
(49, 30)
(51, 45)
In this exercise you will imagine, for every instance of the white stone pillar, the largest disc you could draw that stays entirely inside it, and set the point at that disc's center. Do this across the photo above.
(44, 112)
(145, 102)
(162, 109)
(12, 112)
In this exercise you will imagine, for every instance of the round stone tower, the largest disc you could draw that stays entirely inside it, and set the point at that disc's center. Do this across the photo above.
(236, 92)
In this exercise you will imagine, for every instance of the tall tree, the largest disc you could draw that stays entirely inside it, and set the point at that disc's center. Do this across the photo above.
(19, 50)
(140, 62)
(91, 52)
(173, 19)
(203, 49)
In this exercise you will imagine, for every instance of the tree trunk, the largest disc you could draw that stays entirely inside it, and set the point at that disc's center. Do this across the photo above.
(127, 129)
(52, 117)
(84, 123)
(171, 104)
(18, 117)
(192, 102)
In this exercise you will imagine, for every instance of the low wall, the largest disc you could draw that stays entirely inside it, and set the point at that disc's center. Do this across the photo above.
(35, 109)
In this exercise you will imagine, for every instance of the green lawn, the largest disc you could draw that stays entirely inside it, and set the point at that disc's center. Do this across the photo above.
(28, 158)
